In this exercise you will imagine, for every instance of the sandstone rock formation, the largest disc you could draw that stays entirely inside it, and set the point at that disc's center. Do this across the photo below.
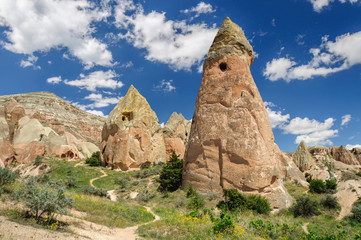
(302, 157)
(320, 152)
(38, 124)
(176, 132)
(231, 144)
(132, 135)
(343, 155)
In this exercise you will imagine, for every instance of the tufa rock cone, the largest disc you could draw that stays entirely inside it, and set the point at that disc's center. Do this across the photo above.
(231, 143)
(303, 158)
(132, 135)
(176, 133)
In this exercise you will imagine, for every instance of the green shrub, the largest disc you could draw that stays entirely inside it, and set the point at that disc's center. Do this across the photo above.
(7, 176)
(330, 202)
(317, 186)
(71, 182)
(38, 160)
(144, 166)
(331, 185)
(259, 204)
(223, 224)
(356, 213)
(145, 196)
(305, 206)
(233, 200)
(94, 161)
(42, 200)
(195, 214)
(170, 178)
(122, 182)
(147, 173)
(94, 191)
(196, 202)
(191, 192)
(308, 177)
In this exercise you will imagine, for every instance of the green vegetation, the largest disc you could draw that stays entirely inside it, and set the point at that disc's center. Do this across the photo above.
(7, 176)
(94, 191)
(305, 207)
(94, 160)
(170, 178)
(319, 186)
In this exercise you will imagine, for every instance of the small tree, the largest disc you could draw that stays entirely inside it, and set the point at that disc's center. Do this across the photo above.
(94, 161)
(43, 200)
(7, 176)
(317, 186)
(305, 206)
(170, 177)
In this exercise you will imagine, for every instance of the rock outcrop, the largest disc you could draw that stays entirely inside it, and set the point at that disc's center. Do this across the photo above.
(176, 132)
(39, 124)
(231, 143)
(302, 157)
(132, 135)
(343, 155)
(320, 152)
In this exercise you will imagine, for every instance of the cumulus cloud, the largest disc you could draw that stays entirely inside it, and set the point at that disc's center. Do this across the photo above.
(312, 131)
(97, 112)
(346, 119)
(99, 101)
(330, 57)
(95, 80)
(201, 8)
(176, 43)
(30, 62)
(42, 25)
(350, 146)
(319, 5)
(54, 80)
(165, 86)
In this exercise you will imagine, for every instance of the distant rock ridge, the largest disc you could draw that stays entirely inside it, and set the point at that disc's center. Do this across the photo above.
(302, 157)
(231, 143)
(41, 123)
(176, 133)
(132, 135)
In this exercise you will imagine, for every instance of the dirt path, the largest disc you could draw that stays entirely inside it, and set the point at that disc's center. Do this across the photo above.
(304, 227)
(94, 179)
(348, 192)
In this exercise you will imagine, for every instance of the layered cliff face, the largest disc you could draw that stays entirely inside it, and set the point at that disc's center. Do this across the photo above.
(132, 135)
(176, 133)
(38, 124)
(231, 143)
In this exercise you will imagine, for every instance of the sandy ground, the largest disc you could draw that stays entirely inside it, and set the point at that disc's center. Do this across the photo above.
(348, 192)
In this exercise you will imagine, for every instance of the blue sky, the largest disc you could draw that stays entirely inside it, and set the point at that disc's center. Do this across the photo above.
(307, 65)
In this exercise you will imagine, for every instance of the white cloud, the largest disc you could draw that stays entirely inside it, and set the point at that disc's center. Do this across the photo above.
(99, 101)
(201, 8)
(42, 25)
(165, 86)
(311, 131)
(95, 80)
(162, 125)
(318, 5)
(350, 147)
(98, 113)
(30, 62)
(273, 22)
(300, 39)
(175, 43)
(346, 119)
(54, 80)
(330, 57)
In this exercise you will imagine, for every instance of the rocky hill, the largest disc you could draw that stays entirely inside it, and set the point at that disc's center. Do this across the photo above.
(41, 123)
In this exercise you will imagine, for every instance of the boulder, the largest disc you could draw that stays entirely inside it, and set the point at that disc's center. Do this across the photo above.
(176, 132)
(343, 155)
(7, 155)
(231, 143)
(26, 152)
(357, 153)
(131, 134)
(302, 157)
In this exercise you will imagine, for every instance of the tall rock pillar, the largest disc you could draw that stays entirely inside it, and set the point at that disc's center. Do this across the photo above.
(231, 143)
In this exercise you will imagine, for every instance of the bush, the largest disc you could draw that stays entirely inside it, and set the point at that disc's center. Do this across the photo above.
(356, 213)
(94, 161)
(122, 182)
(145, 196)
(331, 185)
(38, 160)
(191, 192)
(308, 177)
(43, 200)
(195, 214)
(71, 182)
(317, 186)
(196, 202)
(330, 202)
(170, 178)
(94, 191)
(233, 200)
(223, 224)
(7, 176)
(259, 204)
(147, 173)
(144, 166)
(305, 206)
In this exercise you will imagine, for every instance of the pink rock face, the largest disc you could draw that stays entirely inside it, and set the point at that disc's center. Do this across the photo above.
(6, 153)
(231, 143)
(27, 152)
(343, 155)
(174, 144)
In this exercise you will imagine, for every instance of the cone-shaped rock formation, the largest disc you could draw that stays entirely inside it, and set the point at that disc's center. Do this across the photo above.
(303, 158)
(231, 143)
(132, 135)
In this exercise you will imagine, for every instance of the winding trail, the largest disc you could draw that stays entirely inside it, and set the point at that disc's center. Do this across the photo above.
(304, 227)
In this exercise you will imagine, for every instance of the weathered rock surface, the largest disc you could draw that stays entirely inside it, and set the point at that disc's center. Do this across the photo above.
(302, 157)
(231, 143)
(320, 152)
(38, 124)
(176, 133)
(343, 155)
(132, 135)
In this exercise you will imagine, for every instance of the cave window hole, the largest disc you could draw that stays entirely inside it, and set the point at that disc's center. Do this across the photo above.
(223, 67)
